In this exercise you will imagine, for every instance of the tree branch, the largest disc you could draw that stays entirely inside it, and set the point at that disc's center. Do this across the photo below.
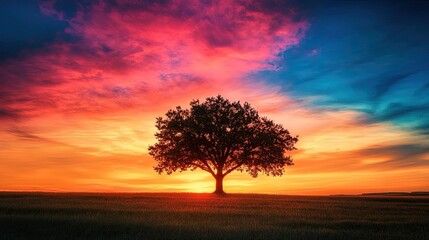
(210, 170)
(206, 168)
(232, 169)
(200, 166)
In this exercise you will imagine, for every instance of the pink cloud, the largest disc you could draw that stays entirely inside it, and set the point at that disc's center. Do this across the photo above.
(130, 55)
(86, 108)
(314, 52)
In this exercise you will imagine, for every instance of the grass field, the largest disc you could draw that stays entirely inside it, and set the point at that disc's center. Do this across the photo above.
(205, 216)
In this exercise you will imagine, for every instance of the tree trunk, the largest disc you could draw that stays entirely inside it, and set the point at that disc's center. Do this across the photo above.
(219, 185)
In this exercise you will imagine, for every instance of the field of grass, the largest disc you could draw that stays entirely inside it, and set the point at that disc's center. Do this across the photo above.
(205, 216)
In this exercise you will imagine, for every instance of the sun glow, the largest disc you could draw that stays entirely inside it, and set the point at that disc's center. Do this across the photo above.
(81, 92)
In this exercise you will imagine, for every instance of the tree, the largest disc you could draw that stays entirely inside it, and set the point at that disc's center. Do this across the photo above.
(219, 136)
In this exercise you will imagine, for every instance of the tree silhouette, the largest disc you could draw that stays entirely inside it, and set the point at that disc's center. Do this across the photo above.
(219, 136)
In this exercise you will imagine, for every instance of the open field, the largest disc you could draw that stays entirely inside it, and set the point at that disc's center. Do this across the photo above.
(204, 216)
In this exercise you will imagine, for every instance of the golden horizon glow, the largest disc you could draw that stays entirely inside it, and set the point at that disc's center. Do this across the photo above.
(78, 112)
(107, 156)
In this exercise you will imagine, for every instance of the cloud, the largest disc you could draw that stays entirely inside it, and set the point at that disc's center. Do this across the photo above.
(25, 135)
(398, 156)
(25, 28)
(397, 110)
(372, 158)
(80, 107)
(9, 114)
(366, 64)
(127, 50)
(383, 85)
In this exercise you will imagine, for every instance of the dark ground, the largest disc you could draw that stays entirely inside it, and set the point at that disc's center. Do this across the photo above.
(205, 216)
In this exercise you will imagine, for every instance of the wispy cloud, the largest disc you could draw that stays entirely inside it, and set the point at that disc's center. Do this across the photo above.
(135, 52)
(78, 105)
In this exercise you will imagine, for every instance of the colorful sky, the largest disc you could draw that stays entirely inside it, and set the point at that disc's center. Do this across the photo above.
(83, 81)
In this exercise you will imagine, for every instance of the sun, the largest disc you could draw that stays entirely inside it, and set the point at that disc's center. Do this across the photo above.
(200, 187)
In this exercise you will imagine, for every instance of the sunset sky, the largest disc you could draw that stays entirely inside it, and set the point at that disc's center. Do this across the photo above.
(81, 83)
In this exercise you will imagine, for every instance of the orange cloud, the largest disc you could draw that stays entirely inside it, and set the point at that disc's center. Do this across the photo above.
(79, 115)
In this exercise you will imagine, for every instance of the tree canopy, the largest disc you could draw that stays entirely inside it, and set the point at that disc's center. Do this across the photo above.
(219, 137)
